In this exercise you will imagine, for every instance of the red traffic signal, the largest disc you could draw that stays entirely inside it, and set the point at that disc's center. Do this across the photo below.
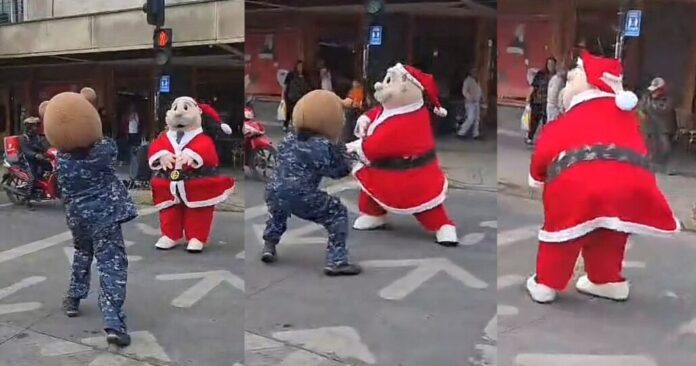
(162, 42)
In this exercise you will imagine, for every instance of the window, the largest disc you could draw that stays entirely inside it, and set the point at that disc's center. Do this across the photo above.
(11, 11)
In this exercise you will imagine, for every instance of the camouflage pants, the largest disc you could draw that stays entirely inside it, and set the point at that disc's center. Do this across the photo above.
(318, 207)
(107, 246)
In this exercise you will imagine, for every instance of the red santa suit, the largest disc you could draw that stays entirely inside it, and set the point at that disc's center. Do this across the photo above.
(416, 184)
(598, 187)
(187, 204)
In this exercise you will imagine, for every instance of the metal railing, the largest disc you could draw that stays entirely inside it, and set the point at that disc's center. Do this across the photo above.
(11, 11)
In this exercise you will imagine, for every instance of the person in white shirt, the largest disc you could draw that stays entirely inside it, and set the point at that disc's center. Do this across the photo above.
(325, 76)
(133, 127)
(471, 90)
(553, 102)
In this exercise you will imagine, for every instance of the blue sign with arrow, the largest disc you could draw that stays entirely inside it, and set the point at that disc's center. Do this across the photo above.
(165, 84)
(633, 19)
(376, 35)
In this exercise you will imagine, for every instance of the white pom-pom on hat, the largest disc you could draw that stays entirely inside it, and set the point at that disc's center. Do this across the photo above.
(440, 111)
(626, 100)
(226, 128)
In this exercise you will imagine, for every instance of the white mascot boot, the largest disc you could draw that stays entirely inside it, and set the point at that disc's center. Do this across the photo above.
(617, 291)
(195, 246)
(540, 293)
(164, 243)
(447, 236)
(367, 222)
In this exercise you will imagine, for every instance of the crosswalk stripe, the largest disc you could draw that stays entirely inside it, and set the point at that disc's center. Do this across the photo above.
(508, 237)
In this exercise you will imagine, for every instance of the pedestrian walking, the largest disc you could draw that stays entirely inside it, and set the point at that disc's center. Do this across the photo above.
(553, 103)
(471, 91)
(354, 104)
(296, 86)
(538, 98)
(659, 123)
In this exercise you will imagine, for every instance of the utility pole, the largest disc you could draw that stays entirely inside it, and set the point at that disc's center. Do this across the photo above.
(373, 41)
(621, 34)
(162, 40)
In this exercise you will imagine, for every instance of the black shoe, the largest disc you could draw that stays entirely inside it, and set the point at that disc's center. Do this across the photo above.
(71, 307)
(268, 255)
(448, 243)
(346, 269)
(117, 338)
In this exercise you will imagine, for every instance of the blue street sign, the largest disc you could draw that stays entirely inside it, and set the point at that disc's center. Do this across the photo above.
(165, 84)
(633, 18)
(376, 35)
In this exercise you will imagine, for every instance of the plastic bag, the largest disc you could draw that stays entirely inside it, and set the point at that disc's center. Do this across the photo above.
(280, 116)
(526, 116)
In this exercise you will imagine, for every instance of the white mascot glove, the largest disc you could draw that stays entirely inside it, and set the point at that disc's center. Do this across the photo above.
(361, 126)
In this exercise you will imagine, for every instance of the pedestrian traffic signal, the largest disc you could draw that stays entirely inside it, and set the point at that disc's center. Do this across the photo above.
(163, 46)
(155, 12)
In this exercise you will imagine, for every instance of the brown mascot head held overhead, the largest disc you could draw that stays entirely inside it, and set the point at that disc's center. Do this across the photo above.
(71, 120)
(320, 112)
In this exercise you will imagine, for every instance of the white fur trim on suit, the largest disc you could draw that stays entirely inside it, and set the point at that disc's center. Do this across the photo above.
(588, 95)
(626, 100)
(539, 292)
(197, 159)
(611, 223)
(154, 160)
(188, 137)
(401, 69)
(533, 182)
(356, 146)
(387, 113)
(180, 188)
(406, 211)
(226, 128)
(368, 222)
(447, 234)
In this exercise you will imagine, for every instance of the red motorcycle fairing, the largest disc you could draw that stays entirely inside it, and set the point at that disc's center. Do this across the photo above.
(260, 142)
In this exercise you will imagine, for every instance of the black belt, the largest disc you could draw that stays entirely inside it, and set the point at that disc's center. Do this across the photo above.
(596, 153)
(180, 175)
(405, 163)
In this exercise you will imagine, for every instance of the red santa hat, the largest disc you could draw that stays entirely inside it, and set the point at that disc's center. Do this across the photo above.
(209, 111)
(426, 83)
(606, 74)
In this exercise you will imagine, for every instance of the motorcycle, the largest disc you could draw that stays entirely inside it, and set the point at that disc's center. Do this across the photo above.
(15, 182)
(259, 152)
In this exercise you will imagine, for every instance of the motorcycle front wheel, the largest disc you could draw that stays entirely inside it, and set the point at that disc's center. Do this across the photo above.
(12, 187)
(264, 162)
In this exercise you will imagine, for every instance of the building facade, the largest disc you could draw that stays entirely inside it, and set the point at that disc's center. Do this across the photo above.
(47, 47)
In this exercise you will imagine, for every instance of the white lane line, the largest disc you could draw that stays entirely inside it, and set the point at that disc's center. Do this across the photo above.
(508, 237)
(511, 133)
(471, 239)
(510, 280)
(45, 243)
(582, 360)
(508, 310)
(5, 204)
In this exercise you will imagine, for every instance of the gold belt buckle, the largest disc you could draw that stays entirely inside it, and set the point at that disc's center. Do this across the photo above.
(175, 175)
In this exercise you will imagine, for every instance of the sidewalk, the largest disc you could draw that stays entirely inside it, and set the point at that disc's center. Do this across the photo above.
(513, 165)
(234, 203)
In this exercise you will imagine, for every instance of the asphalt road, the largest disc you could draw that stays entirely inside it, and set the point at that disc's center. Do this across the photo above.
(415, 304)
(656, 327)
(182, 309)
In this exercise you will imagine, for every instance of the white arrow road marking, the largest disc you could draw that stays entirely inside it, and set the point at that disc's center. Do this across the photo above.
(634, 264)
(6, 204)
(489, 224)
(20, 307)
(471, 239)
(70, 253)
(251, 213)
(582, 360)
(510, 280)
(294, 236)
(208, 282)
(45, 243)
(425, 269)
(688, 328)
(507, 310)
(344, 342)
(144, 346)
(240, 255)
(508, 237)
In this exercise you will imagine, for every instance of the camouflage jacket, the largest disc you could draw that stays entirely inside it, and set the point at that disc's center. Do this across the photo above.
(92, 192)
(303, 160)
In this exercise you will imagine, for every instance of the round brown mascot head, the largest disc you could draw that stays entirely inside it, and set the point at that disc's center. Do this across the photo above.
(71, 120)
(320, 112)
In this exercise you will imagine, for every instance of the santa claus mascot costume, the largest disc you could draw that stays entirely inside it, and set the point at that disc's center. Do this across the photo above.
(399, 171)
(598, 186)
(186, 184)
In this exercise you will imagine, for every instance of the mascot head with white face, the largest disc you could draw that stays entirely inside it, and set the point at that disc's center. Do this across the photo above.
(404, 85)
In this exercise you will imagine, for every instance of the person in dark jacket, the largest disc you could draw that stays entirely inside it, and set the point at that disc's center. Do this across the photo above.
(304, 158)
(659, 123)
(34, 148)
(539, 97)
(296, 86)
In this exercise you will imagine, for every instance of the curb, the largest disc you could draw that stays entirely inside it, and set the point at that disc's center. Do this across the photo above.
(511, 189)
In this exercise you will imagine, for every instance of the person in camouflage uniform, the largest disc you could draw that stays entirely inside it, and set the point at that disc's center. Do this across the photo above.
(96, 205)
(304, 158)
